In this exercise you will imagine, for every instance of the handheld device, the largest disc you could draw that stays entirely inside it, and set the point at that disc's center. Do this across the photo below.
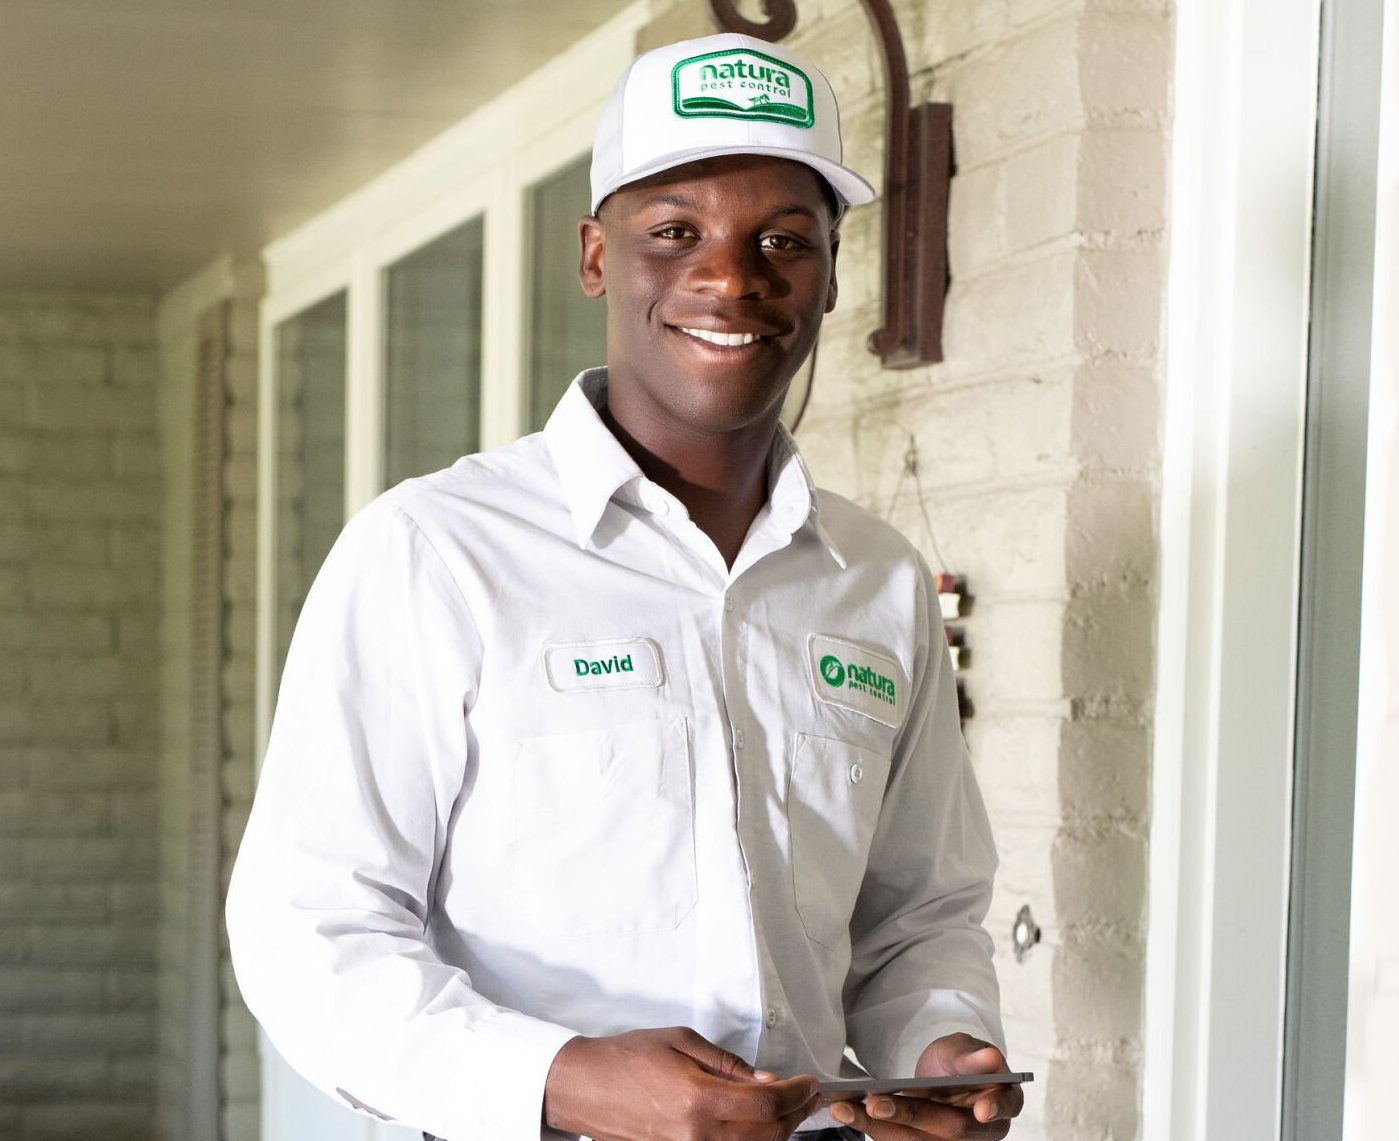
(855, 1089)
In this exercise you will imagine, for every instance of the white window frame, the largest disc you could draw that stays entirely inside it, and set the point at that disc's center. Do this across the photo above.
(1236, 382)
(482, 166)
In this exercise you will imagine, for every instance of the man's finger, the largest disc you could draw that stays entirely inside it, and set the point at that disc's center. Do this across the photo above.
(999, 1104)
(987, 1060)
(766, 1101)
(714, 1059)
(962, 1054)
(917, 1121)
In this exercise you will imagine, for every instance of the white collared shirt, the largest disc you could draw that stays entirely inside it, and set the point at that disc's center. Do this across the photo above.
(543, 765)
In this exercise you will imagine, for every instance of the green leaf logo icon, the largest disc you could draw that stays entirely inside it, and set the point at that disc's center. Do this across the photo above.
(832, 670)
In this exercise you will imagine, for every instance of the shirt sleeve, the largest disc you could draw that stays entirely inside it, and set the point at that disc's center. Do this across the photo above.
(920, 957)
(330, 895)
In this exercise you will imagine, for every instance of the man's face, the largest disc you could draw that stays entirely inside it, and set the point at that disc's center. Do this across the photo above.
(717, 275)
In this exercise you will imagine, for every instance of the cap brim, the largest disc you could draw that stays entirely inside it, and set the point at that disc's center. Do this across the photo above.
(849, 187)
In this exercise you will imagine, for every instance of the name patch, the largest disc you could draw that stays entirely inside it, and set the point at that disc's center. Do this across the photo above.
(623, 663)
(857, 678)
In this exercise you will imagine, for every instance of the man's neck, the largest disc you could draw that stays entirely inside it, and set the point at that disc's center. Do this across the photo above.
(721, 479)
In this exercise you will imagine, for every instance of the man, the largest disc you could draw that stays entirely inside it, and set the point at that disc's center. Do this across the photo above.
(612, 764)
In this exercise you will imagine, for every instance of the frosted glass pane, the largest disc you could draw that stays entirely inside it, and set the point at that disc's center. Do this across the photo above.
(432, 376)
(310, 351)
(567, 332)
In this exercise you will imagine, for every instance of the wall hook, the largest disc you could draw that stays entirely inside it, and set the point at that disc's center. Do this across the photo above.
(1025, 934)
(917, 182)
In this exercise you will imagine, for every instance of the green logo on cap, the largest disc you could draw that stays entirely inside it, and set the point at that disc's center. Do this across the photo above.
(742, 85)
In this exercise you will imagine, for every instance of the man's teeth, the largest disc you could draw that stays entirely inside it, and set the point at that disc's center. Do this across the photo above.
(723, 338)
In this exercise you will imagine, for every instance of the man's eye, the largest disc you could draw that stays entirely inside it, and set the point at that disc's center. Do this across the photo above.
(671, 232)
(780, 242)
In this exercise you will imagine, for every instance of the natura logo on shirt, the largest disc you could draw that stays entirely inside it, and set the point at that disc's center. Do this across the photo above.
(859, 678)
(742, 85)
(862, 679)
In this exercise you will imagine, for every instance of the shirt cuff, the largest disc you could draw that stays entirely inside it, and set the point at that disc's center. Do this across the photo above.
(502, 1095)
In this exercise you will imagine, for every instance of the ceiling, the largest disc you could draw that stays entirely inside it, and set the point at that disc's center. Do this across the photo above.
(140, 139)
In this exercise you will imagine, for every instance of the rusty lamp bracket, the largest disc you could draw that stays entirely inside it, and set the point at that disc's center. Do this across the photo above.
(917, 179)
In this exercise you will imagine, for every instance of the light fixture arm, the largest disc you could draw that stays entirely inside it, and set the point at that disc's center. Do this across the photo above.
(781, 19)
(917, 178)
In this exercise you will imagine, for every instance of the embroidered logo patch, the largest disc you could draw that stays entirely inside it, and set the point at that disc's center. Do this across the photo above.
(858, 678)
(742, 85)
(624, 663)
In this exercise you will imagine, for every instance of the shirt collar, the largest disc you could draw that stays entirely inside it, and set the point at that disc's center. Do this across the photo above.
(792, 497)
(593, 466)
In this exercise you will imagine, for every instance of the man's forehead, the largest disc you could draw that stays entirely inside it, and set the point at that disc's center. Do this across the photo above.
(693, 183)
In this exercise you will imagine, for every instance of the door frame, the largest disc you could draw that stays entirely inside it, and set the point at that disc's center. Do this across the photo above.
(1231, 516)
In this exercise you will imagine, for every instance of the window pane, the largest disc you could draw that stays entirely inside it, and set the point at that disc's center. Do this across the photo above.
(310, 452)
(567, 332)
(432, 391)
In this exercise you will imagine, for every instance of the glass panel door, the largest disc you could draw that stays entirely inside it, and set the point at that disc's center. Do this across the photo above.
(565, 332)
(310, 353)
(432, 375)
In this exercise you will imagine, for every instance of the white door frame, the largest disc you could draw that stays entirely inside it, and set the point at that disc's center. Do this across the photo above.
(1236, 377)
(1372, 1049)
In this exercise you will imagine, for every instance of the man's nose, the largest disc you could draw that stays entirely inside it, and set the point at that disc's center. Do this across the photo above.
(731, 269)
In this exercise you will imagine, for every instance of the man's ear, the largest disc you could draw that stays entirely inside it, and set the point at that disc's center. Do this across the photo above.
(833, 288)
(590, 259)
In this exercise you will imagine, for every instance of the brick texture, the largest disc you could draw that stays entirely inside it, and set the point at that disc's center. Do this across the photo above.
(238, 1069)
(193, 959)
(79, 611)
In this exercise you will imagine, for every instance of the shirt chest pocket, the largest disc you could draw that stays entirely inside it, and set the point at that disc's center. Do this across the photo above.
(604, 829)
(833, 804)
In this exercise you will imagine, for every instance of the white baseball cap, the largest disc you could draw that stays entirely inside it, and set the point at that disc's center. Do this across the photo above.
(720, 95)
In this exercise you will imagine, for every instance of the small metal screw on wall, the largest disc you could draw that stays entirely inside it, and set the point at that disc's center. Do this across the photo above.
(1025, 934)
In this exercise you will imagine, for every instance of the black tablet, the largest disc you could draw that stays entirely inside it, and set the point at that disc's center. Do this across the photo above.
(856, 1088)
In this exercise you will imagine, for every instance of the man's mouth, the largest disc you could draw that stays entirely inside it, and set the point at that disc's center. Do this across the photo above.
(727, 340)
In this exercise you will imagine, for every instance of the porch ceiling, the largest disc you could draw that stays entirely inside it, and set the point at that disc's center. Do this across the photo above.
(139, 139)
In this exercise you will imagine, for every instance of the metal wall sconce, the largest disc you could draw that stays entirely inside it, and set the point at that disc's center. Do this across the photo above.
(917, 178)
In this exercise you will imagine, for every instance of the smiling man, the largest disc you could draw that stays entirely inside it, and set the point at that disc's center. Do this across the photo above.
(616, 785)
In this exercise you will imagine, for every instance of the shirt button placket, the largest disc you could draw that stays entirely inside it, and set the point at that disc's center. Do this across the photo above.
(737, 734)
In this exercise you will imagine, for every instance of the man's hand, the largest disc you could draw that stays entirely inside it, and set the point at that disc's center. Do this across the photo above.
(978, 1114)
(670, 1085)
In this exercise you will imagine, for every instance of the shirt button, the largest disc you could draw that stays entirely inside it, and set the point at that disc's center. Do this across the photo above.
(770, 1018)
(738, 738)
(728, 602)
(857, 773)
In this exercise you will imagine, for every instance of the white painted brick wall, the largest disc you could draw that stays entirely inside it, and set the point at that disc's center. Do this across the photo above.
(1037, 459)
(239, 1073)
(79, 581)
(239, 286)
